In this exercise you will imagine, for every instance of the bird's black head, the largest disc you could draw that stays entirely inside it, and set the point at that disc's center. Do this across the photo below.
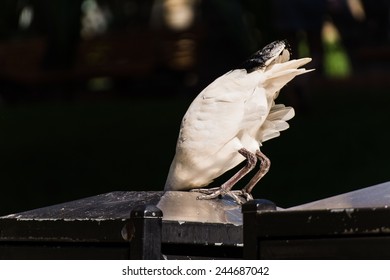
(266, 55)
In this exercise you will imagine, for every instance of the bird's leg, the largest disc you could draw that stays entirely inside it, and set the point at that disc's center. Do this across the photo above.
(265, 164)
(227, 186)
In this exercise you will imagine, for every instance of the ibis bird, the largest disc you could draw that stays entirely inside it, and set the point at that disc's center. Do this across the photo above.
(228, 122)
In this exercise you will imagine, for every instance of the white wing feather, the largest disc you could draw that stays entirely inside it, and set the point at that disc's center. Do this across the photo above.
(237, 110)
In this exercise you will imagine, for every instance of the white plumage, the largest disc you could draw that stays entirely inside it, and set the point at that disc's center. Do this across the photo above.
(230, 119)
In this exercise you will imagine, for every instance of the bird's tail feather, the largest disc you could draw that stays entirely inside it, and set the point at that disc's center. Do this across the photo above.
(291, 64)
(278, 75)
(278, 80)
(276, 121)
(280, 112)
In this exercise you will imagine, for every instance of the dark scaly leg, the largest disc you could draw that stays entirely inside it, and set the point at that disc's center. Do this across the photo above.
(265, 164)
(227, 186)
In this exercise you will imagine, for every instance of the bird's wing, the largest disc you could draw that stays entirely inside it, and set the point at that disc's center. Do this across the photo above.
(212, 130)
(221, 111)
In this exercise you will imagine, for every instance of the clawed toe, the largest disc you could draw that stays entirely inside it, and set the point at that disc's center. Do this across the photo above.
(247, 196)
(240, 196)
(206, 191)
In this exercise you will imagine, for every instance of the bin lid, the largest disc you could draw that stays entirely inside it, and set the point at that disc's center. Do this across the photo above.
(371, 197)
(185, 207)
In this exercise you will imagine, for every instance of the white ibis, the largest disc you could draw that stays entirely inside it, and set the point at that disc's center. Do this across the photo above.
(228, 122)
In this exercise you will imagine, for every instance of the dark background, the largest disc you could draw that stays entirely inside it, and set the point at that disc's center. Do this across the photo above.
(92, 93)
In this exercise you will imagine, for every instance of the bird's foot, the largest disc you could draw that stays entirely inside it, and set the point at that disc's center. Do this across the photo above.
(209, 193)
(240, 196)
(246, 195)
